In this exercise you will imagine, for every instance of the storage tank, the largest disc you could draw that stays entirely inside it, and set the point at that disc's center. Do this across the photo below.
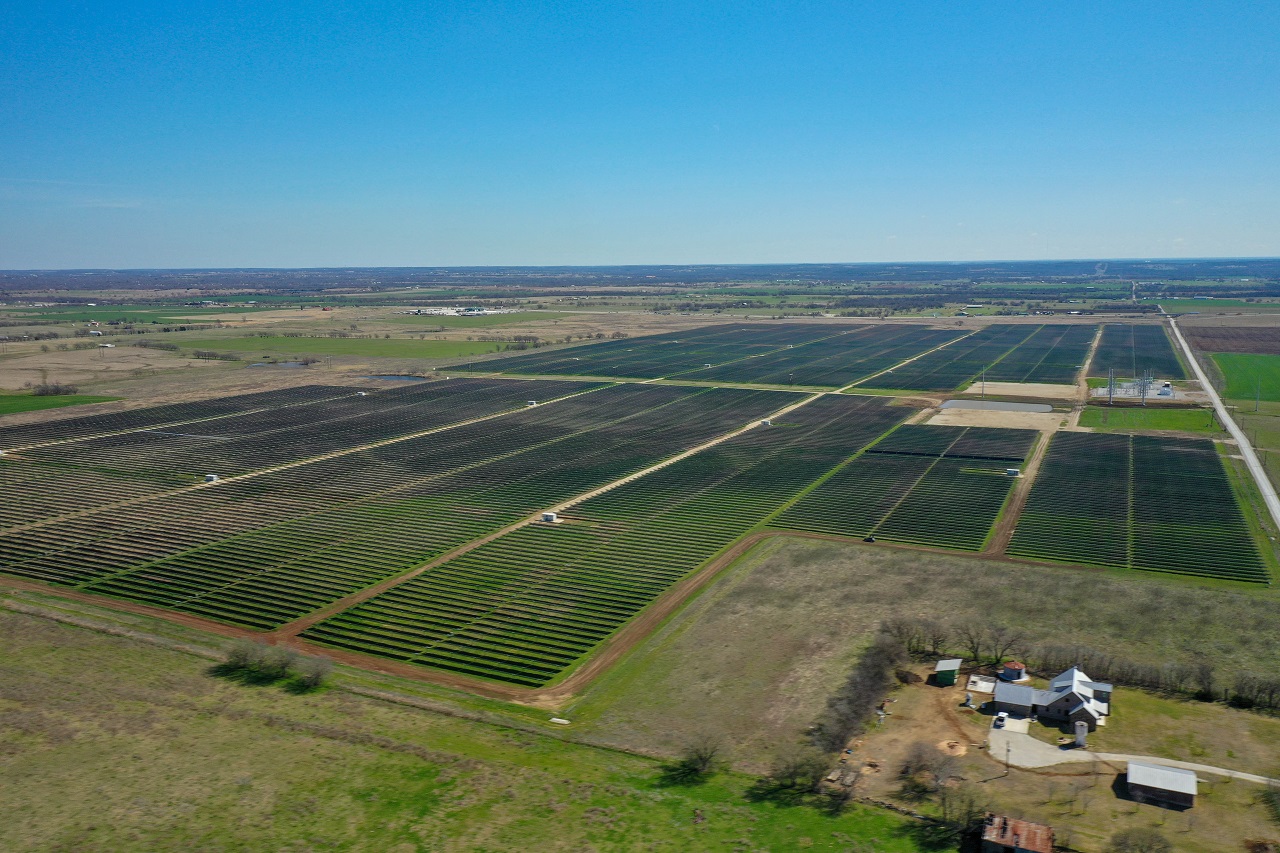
(1014, 671)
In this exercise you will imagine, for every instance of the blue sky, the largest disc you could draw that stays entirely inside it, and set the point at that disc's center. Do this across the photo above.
(330, 134)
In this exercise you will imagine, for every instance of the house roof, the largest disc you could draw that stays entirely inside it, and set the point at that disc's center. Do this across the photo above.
(1032, 837)
(948, 665)
(1015, 694)
(1068, 679)
(1073, 683)
(1161, 777)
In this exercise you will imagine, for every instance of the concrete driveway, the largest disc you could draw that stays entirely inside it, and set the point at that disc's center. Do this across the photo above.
(1023, 750)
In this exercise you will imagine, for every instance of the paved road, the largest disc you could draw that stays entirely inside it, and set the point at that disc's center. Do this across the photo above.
(1025, 751)
(1246, 450)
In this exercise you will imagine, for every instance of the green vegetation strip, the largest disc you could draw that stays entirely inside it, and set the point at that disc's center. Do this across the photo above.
(1139, 419)
(1159, 504)
(526, 607)
(12, 404)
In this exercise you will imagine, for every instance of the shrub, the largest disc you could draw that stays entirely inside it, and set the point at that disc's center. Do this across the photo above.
(1139, 840)
(311, 672)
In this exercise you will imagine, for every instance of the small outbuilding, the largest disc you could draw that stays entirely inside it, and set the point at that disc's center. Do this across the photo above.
(1001, 834)
(1014, 671)
(944, 674)
(1160, 785)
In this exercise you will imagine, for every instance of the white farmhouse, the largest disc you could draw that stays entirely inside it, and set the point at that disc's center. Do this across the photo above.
(1071, 697)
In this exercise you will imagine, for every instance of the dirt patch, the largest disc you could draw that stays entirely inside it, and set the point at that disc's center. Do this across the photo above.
(1048, 422)
(1036, 390)
(1263, 340)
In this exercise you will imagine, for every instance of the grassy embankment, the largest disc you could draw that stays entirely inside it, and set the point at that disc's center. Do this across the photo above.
(111, 744)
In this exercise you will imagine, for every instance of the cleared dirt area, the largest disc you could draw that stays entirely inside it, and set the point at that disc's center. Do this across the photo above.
(1082, 801)
(1035, 390)
(1251, 339)
(92, 365)
(1044, 422)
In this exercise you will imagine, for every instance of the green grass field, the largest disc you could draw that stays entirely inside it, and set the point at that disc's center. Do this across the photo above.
(1110, 419)
(1249, 374)
(12, 404)
(113, 744)
(1218, 306)
(368, 347)
(133, 313)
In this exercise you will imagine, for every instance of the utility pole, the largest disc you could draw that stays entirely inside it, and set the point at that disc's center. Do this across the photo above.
(1111, 386)
(984, 382)
(1257, 394)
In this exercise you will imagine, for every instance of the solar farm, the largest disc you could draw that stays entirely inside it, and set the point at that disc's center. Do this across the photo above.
(1142, 502)
(1130, 350)
(925, 485)
(405, 524)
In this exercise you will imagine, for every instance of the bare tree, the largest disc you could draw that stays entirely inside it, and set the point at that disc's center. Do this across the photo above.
(1204, 679)
(920, 757)
(1001, 639)
(697, 761)
(908, 632)
(944, 769)
(702, 752)
(936, 634)
(963, 807)
(973, 634)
